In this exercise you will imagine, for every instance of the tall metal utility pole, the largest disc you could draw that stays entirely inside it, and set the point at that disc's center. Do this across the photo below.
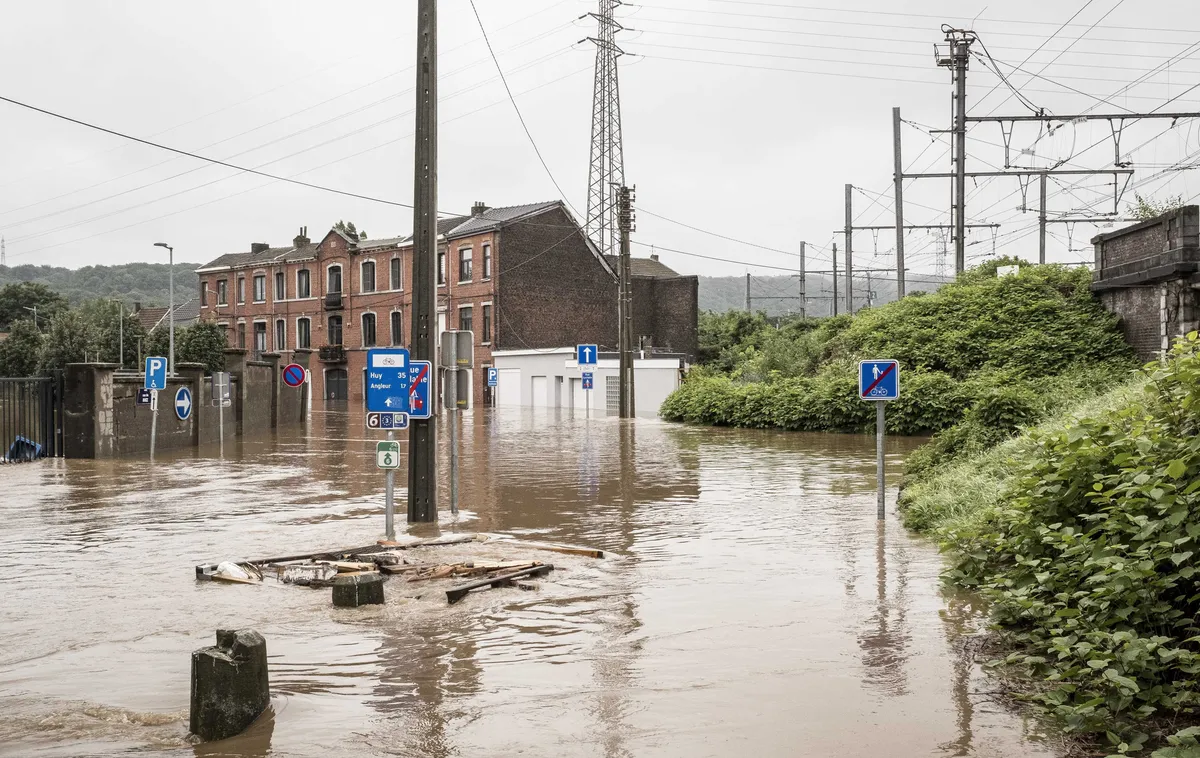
(422, 434)
(803, 285)
(625, 223)
(1042, 219)
(849, 232)
(749, 308)
(835, 279)
(899, 181)
(960, 56)
(607, 170)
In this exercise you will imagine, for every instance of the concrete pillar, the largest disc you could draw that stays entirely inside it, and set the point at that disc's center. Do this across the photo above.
(235, 364)
(353, 591)
(89, 424)
(276, 385)
(230, 686)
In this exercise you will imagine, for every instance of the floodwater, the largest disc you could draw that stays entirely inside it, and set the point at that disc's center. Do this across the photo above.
(749, 604)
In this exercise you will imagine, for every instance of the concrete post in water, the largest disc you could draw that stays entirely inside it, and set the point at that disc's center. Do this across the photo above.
(230, 687)
(353, 591)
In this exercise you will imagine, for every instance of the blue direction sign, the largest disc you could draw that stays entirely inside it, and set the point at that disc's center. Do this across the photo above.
(143, 396)
(387, 420)
(587, 380)
(879, 380)
(156, 373)
(493, 376)
(183, 403)
(420, 374)
(387, 380)
(585, 355)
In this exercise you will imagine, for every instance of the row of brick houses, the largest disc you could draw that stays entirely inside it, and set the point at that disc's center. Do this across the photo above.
(519, 277)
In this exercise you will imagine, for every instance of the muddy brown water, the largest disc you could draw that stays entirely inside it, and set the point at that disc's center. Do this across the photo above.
(750, 605)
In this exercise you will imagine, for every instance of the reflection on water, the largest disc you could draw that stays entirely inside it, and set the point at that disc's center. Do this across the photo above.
(751, 603)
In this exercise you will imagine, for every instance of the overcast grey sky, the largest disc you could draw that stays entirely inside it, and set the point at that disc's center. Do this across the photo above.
(741, 118)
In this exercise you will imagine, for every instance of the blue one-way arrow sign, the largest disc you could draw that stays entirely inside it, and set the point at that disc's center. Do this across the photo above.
(183, 403)
(585, 355)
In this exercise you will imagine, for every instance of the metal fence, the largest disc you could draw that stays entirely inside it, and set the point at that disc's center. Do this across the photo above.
(30, 418)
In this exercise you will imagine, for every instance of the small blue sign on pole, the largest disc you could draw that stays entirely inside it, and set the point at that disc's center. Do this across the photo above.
(493, 376)
(387, 380)
(879, 380)
(143, 396)
(588, 380)
(183, 403)
(586, 355)
(420, 374)
(156, 373)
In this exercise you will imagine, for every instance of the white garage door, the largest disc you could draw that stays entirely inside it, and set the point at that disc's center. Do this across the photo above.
(508, 386)
(537, 389)
(577, 398)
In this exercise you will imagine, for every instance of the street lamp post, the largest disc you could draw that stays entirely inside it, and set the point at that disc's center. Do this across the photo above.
(34, 309)
(170, 305)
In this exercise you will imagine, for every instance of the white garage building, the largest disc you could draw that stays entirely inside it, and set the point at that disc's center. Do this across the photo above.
(551, 379)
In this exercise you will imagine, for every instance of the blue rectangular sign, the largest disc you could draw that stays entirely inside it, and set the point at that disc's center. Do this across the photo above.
(879, 380)
(420, 377)
(587, 380)
(156, 373)
(586, 355)
(387, 380)
(493, 377)
(143, 396)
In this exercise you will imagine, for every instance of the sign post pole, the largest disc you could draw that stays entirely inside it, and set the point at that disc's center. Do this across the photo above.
(221, 427)
(389, 504)
(155, 380)
(453, 461)
(880, 405)
(153, 421)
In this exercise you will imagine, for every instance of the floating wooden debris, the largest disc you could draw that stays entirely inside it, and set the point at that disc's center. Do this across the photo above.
(455, 594)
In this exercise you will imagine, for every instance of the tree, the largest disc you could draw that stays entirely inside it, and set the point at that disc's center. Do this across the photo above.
(1144, 209)
(15, 299)
(347, 228)
(203, 342)
(19, 353)
(66, 341)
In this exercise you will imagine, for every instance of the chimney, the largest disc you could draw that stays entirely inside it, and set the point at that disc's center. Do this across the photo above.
(478, 209)
(301, 239)
(653, 256)
(136, 306)
(259, 247)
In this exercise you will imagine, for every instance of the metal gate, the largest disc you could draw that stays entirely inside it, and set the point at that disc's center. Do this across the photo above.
(30, 418)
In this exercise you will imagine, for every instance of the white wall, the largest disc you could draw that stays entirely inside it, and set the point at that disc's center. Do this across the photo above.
(520, 381)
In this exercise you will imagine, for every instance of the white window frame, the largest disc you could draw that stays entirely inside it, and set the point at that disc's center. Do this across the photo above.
(400, 270)
(278, 347)
(309, 320)
(310, 294)
(362, 338)
(485, 275)
(275, 281)
(391, 332)
(488, 303)
(254, 295)
(461, 308)
(342, 269)
(466, 249)
(362, 265)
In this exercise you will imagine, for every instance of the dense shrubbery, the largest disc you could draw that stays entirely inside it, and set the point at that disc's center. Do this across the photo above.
(1089, 557)
(979, 349)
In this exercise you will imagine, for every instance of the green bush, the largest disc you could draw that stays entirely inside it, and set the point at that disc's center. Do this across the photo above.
(1089, 555)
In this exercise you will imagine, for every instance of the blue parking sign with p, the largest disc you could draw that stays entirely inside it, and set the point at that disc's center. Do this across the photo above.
(879, 380)
(156, 373)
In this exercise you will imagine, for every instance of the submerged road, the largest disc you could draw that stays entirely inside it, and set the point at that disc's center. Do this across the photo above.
(750, 604)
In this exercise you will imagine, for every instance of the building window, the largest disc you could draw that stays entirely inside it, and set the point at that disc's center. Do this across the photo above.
(335, 279)
(487, 261)
(260, 339)
(397, 328)
(241, 332)
(280, 286)
(280, 335)
(303, 333)
(464, 264)
(260, 288)
(466, 318)
(397, 281)
(335, 331)
(203, 294)
(485, 334)
(241, 293)
(368, 276)
(223, 292)
(368, 329)
(441, 268)
(303, 284)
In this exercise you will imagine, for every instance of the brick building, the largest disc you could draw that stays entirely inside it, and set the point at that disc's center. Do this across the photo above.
(520, 277)
(1148, 274)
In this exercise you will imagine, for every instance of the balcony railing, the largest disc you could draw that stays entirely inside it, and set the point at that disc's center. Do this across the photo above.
(332, 353)
(333, 301)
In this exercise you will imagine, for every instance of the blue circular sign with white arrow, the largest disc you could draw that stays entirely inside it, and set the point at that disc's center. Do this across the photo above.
(183, 403)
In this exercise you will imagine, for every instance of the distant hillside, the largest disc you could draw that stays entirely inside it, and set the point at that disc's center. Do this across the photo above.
(780, 295)
(145, 283)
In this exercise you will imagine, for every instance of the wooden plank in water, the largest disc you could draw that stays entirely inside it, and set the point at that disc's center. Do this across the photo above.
(455, 594)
